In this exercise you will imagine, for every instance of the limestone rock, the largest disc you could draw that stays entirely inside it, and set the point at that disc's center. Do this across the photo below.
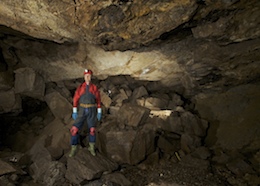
(57, 138)
(125, 145)
(119, 98)
(117, 178)
(6, 81)
(139, 92)
(167, 146)
(29, 83)
(171, 54)
(133, 115)
(85, 167)
(106, 100)
(117, 25)
(237, 114)
(194, 162)
(201, 153)
(9, 102)
(173, 125)
(59, 106)
(6, 168)
(190, 142)
(239, 167)
(242, 22)
(51, 173)
(193, 125)
(157, 103)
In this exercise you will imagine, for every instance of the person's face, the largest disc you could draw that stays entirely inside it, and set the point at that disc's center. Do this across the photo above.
(87, 78)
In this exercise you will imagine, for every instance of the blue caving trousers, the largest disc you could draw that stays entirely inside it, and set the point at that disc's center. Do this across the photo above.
(89, 115)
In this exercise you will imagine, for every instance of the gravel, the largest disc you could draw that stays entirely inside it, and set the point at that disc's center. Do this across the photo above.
(174, 174)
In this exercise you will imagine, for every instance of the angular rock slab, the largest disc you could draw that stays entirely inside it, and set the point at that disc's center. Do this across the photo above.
(49, 173)
(126, 145)
(83, 166)
(9, 101)
(59, 105)
(6, 168)
(133, 115)
(29, 83)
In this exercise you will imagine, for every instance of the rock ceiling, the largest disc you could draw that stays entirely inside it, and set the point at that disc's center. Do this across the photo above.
(198, 45)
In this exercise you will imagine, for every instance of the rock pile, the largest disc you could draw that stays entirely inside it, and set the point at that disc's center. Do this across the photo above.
(143, 124)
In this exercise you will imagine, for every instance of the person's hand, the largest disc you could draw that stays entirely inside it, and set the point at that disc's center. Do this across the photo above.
(99, 114)
(74, 113)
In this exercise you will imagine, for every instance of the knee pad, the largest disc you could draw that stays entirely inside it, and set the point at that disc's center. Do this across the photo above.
(74, 130)
(92, 131)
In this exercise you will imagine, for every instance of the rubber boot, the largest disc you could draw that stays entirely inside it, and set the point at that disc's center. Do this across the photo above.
(91, 149)
(73, 151)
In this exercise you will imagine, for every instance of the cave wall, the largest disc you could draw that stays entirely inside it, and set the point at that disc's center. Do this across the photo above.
(199, 48)
(234, 116)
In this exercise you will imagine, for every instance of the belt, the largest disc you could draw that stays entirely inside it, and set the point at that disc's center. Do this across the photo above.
(87, 105)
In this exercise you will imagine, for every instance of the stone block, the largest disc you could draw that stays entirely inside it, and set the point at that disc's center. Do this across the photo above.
(133, 115)
(29, 83)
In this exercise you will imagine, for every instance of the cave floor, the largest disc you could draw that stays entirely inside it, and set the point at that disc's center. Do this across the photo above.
(173, 174)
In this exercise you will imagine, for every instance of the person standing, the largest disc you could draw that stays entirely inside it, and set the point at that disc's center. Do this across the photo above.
(86, 107)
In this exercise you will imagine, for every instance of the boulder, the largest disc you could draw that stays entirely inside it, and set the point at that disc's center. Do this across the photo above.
(132, 115)
(6, 80)
(193, 125)
(59, 106)
(119, 98)
(138, 93)
(117, 178)
(84, 167)
(29, 83)
(105, 99)
(10, 102)
(126, 145)
(43, 169)
(6, 168)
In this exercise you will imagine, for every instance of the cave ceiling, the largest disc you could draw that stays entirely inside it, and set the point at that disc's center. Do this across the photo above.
(198, 45)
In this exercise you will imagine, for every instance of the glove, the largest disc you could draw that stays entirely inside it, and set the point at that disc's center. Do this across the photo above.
(74, 113)
(99, 114)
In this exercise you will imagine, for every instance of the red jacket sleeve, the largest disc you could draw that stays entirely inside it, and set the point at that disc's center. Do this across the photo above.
(77, 95)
